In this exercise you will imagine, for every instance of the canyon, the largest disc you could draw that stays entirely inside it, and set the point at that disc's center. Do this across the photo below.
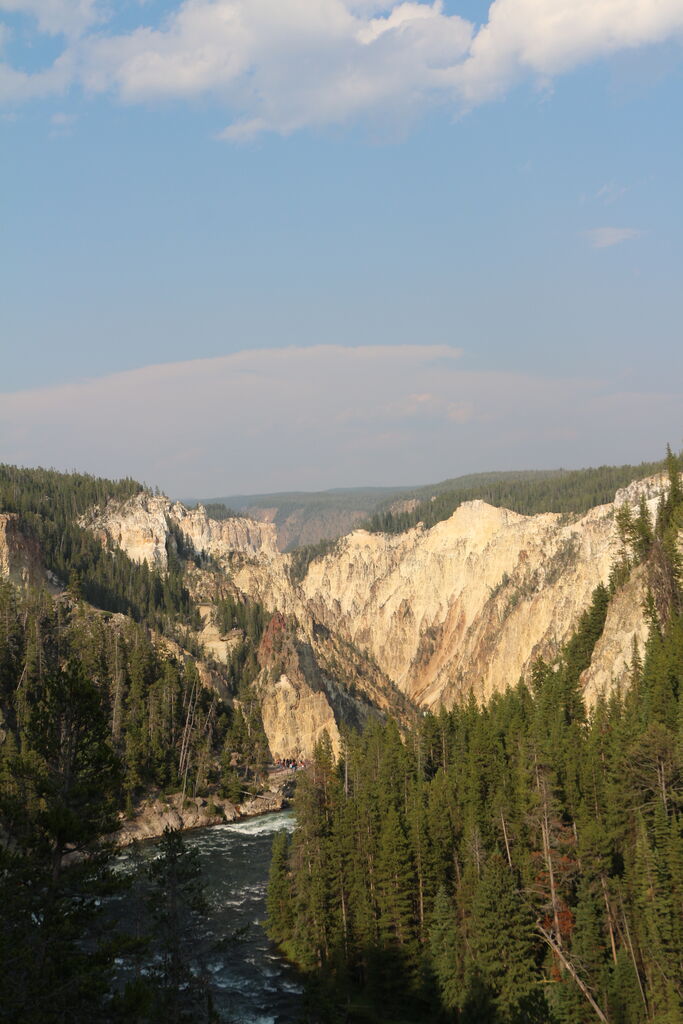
(429, 616)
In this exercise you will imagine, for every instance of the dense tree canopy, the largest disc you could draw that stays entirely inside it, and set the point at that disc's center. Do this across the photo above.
(514, 863)
(49, 504)
(559, 490)
(94, 715)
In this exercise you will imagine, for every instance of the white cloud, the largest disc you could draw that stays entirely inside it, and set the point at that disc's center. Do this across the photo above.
(326, 416)
(553, 36)
(62, 120)
(56, 17)
(19, 86)
(284, 66)
(281, 65)
(604, 238)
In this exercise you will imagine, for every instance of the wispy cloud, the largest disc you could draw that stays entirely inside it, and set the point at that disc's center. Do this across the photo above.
(282, 66)
(58, 17)
(327, 416)
(604, 238)
(62, 124)
(610, 192)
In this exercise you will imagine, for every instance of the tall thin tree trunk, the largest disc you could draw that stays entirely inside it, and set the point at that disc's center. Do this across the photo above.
(608, 908)
(627, 930)
(545, 833)
(505, 837)
(566, 962)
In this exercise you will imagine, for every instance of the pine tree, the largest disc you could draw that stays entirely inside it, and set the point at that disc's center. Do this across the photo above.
(279, 904)
(396, 877)
(504, 947)
(76, 772)
(446, 953)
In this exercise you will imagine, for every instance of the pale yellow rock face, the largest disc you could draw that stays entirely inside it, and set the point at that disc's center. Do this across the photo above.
(140, 527)
(468, 605)
(465, 607)
(295, 718)
(220, 538)
(212, 640)
(20, 559)
(625, 626)
(155, 814)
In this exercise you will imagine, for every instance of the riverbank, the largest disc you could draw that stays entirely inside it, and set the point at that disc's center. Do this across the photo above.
(162, 810)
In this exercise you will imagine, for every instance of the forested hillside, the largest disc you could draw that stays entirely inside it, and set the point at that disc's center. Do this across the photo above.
(48, 505)
(512, 863)
(166, 729)
(95, 715)
(530, 492)
(310, 521)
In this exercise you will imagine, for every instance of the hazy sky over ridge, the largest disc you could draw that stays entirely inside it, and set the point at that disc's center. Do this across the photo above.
(220, 180)
(326, 416)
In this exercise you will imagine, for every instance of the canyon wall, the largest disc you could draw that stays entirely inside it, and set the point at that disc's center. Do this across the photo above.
(142, 527)
(20, 559)
(467, 606)
(464, 607)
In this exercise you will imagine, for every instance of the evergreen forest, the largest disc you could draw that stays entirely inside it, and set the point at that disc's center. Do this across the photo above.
(92, 718)
(101, 707)
(528, 492)
(514, 863)
(49, 504)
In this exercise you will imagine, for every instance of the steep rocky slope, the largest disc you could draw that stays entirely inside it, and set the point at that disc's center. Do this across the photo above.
(307, 517)
(315, 681)
(20, 559)
(142, 527)
(463, 607)
(312, 681)
(298, 526)
(468, 605)
(626, 628)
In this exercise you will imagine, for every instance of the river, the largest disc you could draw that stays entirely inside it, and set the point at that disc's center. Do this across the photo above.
(252, 983)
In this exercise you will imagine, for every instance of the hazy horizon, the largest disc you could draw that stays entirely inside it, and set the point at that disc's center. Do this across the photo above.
(256, 247)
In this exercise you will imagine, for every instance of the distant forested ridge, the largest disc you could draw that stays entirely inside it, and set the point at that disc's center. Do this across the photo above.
(527, 492)
(305, 518)
(517, 863)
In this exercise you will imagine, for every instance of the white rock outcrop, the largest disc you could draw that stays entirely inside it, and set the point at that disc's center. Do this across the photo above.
(20, 559)
(463, 607)
(142, 528)
(468, 605)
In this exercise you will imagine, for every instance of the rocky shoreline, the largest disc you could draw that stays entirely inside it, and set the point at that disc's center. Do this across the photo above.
(155, 813)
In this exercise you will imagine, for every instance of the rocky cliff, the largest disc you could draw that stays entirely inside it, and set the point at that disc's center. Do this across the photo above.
(464, 607)
(296, 527)
(311, 682)
(20, 559)
(143, 528)
(468, 605)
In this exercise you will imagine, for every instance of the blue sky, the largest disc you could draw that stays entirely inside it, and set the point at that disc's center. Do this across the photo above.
(203, 184)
